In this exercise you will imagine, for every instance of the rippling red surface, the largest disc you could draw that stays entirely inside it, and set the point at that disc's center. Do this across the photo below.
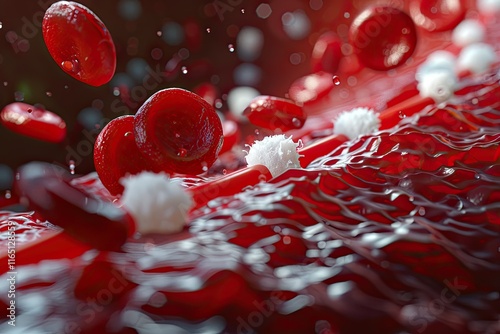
(397, 232)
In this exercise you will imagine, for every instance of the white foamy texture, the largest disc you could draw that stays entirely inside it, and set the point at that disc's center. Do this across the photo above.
(488, 7)
(357, 122)
(278, 153)
(437, 61)
(468, 32)
(157, 203)
(438, 85)
(476, 58)
(239, 98)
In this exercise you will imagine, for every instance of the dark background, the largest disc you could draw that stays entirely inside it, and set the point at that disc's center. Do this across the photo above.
(28, 73)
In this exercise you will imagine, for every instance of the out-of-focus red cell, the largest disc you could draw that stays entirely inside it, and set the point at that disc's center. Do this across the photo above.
(116, 155)
(326, 53)
(33, 122)
(207, 91)
(48, 190)
(311, 87)
(231, 133)
(437, 15)
(79, 42)
(193, 34)
(275, 113)
(383, 37)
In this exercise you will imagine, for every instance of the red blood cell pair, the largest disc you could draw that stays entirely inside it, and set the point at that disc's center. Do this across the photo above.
(175, 131)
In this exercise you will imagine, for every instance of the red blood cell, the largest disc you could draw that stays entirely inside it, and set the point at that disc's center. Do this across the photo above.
(326, 53)
(275, 113)
(437, 15)
(48, 190)
(79, 42)
(231, 132)
(207, 91)
(383, 37)
(311, 87)
(116, 154)
(33, 122)
(179, 131)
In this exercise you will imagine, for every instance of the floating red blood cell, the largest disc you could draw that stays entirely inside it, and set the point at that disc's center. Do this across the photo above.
(33, 122)
(231, 132)
(437, 15)
(48, 190)
(116, 155)
(79, 42)
(326, 53)
(179, 131)
(383, 37)
(207, 91)
(275, 113)
(311, 87)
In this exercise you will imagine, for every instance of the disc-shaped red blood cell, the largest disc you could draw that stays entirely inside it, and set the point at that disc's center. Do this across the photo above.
(326, 53)
(179, 131)
(275, 113)
(437, 15)
(116, 155)
(383, 37)
(79, 42)
(33, 122)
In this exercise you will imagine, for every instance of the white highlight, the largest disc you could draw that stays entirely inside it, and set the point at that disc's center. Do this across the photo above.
(438, 85)
(488, 7)
(468, 32)
(357, 122)
(437, 61)
(476, 58)
(157, 203)
(278, 153)
(239, 98)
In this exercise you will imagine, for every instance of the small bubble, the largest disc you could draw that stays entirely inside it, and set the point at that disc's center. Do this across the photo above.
(177, 135)
(1, 25)
(257, 132)
(296, 122)
(5, 83)
(116, 91)
(72, 167)
(71, 66)
(421, 211)
(8, 195)
(182, 152)
(336, 80)
(224, 171)
(128, 133)
(66, 86)
(159, 33)
(230, 47)
(184, 70)
(347, 15)
(402, 114)
(49, 94)
(209, 30)
(242, 11)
